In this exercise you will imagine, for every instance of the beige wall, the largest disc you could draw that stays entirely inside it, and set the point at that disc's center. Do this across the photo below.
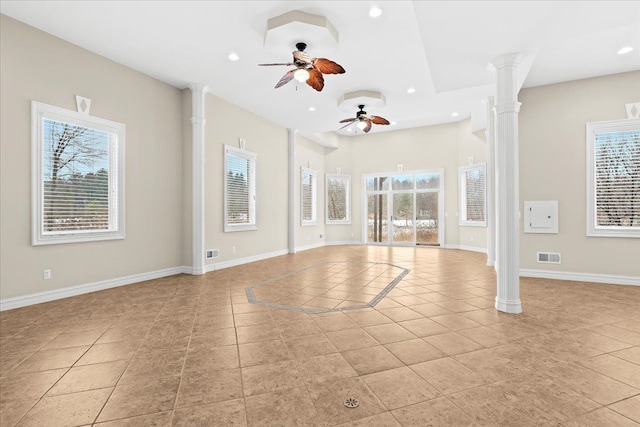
(552, 167)
(225, 124)
(430, 147)
(37, 66)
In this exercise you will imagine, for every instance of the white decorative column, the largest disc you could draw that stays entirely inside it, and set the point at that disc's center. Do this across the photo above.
(507, 176)
(198, 122)
(491, 182)
(292, 189)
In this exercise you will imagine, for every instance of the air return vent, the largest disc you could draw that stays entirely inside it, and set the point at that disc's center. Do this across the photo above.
(549, 257)
(212, 253)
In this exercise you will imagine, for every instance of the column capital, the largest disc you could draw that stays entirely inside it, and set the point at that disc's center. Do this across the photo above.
(508, 60)
(199, 87)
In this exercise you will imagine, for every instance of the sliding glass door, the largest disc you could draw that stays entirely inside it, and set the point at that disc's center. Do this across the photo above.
(404, 209)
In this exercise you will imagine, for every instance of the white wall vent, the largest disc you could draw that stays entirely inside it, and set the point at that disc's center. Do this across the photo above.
(549, 257)
(212, 253)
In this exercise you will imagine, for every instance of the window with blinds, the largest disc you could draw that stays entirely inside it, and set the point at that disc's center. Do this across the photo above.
(308, 196)
(338, 199)
(239, 189)
(472, 189)
(78, 179)
(613, 178)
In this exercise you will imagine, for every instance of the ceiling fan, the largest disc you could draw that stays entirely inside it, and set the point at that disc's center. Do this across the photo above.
(309, 70)
(364, 120)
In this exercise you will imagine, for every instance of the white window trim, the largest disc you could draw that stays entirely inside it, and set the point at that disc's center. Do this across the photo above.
(314, 197)
(228, 149)
(593, 129)
(347, 201)
(462, 199)
(41, 111)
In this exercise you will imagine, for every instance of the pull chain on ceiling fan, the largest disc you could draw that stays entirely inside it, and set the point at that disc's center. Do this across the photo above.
(363, 120)
(309, 70)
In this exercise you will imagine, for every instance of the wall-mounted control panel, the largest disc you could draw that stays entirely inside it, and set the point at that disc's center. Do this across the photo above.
(541, 217)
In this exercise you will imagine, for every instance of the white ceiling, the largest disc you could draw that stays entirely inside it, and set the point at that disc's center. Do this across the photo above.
(440, 48)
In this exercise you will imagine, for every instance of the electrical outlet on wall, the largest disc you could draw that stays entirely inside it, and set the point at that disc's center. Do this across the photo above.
(46, 274)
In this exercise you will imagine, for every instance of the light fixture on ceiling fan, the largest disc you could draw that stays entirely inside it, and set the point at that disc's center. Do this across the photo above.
(363, 120)
(309, 70)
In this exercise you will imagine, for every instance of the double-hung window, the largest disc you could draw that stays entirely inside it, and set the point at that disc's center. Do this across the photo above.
(239, 189)
(77, 167)
(308, 196)
(338, 199)
(472, 190)
(613, 178)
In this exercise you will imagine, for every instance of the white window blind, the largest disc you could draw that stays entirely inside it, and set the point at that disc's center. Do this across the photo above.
(240, 189)
(614, 175)
(473, 194)
(338, 197)
(78, 179)
(308, 196)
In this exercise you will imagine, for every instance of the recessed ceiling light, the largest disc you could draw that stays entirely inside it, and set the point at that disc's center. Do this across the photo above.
(411, 90)
(375, 12)
(394, 123)
(454, 114)
(312, 108)
(624, 50)
(349, 130)
(233, 56)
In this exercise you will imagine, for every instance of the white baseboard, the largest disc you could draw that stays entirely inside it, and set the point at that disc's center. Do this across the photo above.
(245, 260)
(344, 243)
(40, 297)
(311, 246)
(467, 248)
(581, 277)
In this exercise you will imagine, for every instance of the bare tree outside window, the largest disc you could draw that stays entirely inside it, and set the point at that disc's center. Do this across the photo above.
(338, 195)
(617, 179)
(613, 178)
(76, 177)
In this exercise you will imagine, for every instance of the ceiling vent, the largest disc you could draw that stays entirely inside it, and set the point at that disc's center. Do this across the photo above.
(549, 257)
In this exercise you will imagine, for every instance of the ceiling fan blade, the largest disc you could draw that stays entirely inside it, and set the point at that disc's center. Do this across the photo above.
(286, 78)
(301, 57)
(315, 79)
(368, 127)
(347, 120)
(277, 63)
(326, 66)
(379, 120)
(347, 125)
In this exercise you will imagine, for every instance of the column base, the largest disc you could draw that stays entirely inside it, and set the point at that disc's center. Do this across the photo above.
(490, 263)
(514, 307)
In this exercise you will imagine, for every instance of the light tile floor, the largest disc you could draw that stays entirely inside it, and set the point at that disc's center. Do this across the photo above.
(192, 350)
